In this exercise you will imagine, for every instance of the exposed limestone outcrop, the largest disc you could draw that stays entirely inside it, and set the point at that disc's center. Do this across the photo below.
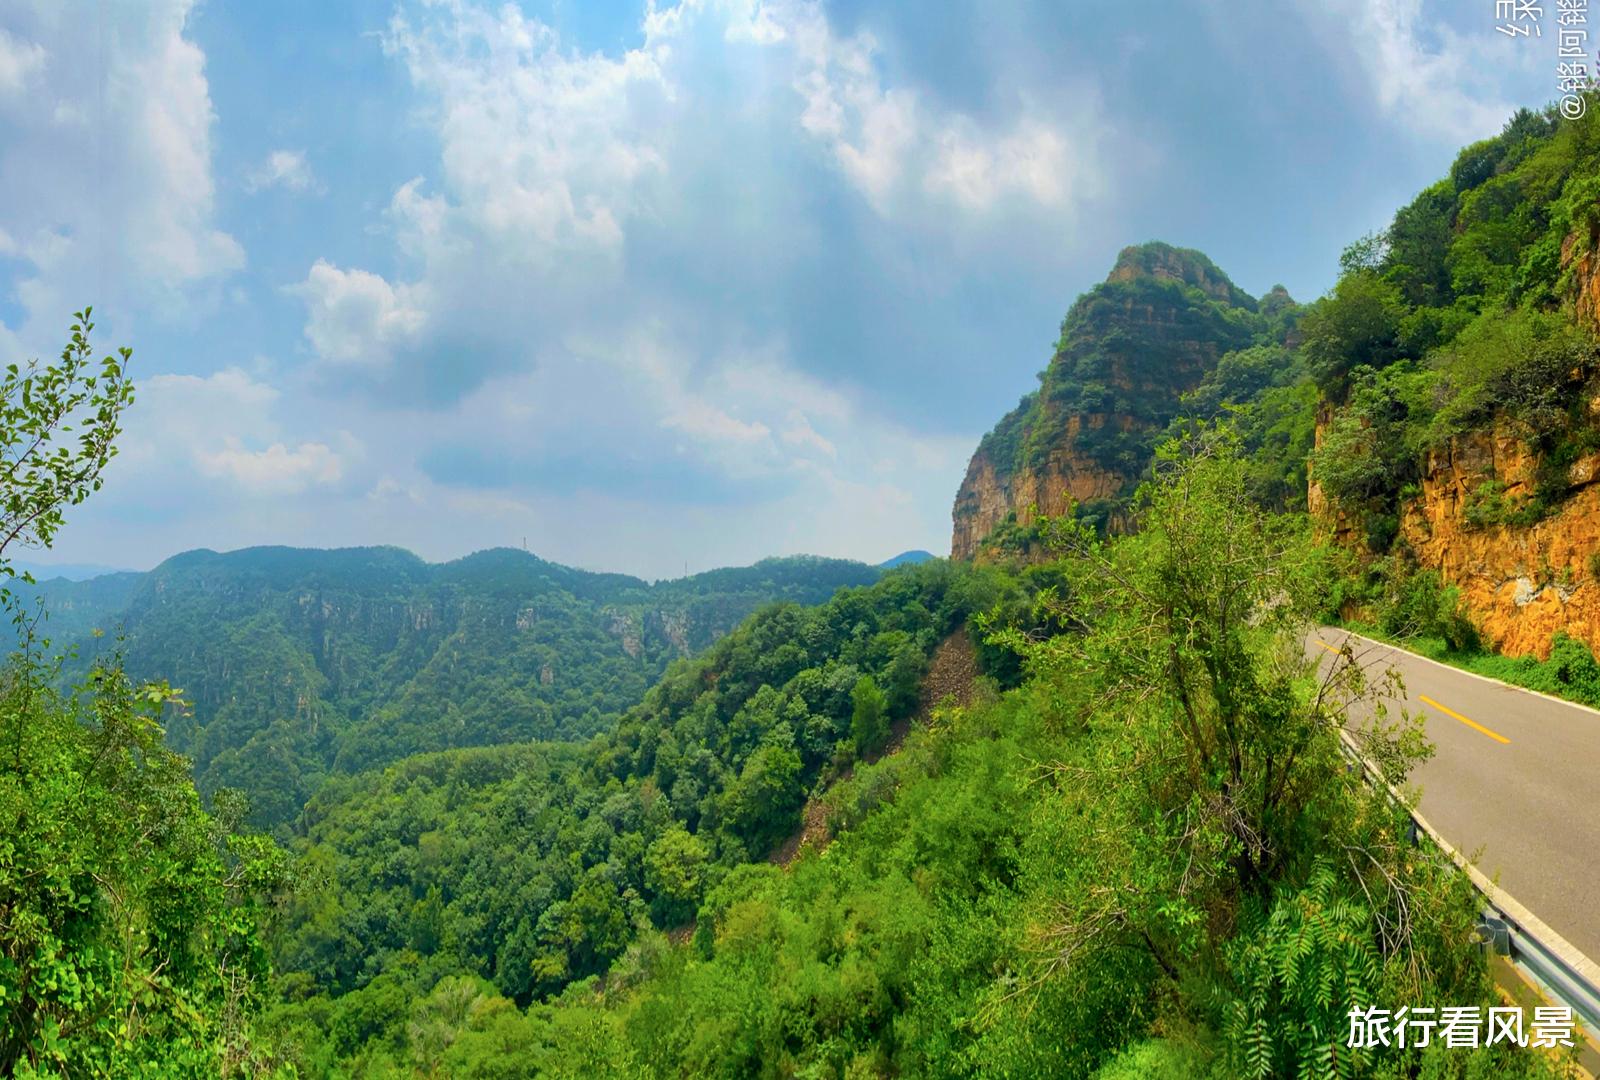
(1521, 583)
(1129, 349)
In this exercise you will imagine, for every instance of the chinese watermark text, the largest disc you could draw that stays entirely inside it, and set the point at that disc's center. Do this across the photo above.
(1459, 1027)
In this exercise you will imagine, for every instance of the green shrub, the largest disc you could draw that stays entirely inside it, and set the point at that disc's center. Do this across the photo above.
(1155, 1059)
(1382, 529)
(1420, 605)
(1523, 364)
(1571, 672)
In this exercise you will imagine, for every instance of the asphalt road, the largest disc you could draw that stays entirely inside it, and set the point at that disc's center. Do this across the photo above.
(1514, 781)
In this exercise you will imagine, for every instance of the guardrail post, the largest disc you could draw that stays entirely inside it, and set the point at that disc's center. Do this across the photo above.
(1494, 934)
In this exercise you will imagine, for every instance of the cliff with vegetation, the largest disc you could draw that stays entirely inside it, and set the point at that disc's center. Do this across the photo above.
(1510, 519)
(1458, 436)
(1437, 413)
(1522, 581)
(1131, 350)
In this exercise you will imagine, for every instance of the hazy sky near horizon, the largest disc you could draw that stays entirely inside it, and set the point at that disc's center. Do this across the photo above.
(658, 287)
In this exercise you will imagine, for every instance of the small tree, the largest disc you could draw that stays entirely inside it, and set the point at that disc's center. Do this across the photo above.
(869, 722)
(674, 871)
(58, 429)
(131, 921)
(1358, 323)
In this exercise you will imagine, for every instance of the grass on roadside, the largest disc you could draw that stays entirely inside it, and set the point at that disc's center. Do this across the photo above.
(1571, 673)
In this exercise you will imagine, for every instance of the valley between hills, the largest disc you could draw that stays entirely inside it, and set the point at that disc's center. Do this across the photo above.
(1072, 801)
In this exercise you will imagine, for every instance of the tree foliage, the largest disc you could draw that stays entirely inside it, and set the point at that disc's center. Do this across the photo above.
(303, 664)
(58, 430)
(132, 924)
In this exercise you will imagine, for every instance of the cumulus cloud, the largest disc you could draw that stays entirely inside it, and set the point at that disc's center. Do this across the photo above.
(582, 191)
(224, 427)
(1423, 74)
(107, 196)
(560, 148)
(274, 470)
(287, 169)
(539, 142)
(357, 318)
(895, 145)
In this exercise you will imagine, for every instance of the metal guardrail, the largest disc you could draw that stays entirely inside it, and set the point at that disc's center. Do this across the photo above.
(1555, 965)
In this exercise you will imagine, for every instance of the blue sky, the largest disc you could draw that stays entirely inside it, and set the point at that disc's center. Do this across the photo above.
(656, 287)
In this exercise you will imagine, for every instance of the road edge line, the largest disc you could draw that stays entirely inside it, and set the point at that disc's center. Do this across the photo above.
(1470, 674)
(1501, 900)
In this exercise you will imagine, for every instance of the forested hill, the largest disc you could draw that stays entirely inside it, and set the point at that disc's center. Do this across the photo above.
(300, 662)
(537, 865)
(1164, 332)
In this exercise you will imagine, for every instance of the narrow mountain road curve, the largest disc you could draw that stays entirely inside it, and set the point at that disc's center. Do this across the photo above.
(1514, 780)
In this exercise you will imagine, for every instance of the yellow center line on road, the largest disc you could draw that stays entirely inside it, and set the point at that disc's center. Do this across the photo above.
(1496, 736)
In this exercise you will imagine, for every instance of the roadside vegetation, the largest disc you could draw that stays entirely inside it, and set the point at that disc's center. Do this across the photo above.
(1137, 853)
(1427, 618)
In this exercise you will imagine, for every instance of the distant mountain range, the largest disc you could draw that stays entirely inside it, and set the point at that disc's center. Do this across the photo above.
(300, 662)
(70, 571)
(907, 558)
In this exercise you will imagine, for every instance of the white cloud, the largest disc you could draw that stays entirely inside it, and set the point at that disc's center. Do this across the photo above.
(287, 169)
(705, 421)
(800, 433)
(556, 148)
(1448, 89)
(242, 400)
(890, 142)
(540, 143)
(388, 488)
(105, 181)
(18, 61)
(357, 318)
(223, 427)
(275, 470)
(553, 160)
(1034, 161)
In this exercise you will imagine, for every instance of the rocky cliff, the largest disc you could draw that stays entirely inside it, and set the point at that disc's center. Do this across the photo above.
(1522, 583)
(1518, 536)
(1129, 349)
(1329, 523)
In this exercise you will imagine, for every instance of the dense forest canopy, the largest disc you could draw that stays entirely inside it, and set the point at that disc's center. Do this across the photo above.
(533, 865)
(300, 663)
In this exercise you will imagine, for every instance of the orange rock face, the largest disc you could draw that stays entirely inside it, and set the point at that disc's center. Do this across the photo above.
(1521, 584)
(1130, 348)
(1581, 257)
(987, 498)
